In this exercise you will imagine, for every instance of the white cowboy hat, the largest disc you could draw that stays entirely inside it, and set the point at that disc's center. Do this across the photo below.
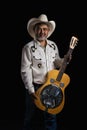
(41, 19)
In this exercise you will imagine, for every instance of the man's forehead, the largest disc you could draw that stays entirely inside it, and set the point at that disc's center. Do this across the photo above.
(41, 24)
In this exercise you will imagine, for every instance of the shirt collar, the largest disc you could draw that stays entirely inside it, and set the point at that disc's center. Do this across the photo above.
(38, 43)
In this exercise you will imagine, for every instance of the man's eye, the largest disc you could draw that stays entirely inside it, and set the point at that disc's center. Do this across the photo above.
(45, 29)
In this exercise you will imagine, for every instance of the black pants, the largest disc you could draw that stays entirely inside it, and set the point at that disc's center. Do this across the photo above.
(31, 121)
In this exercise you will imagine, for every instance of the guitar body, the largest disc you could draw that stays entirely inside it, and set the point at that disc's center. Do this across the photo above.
(46, 100)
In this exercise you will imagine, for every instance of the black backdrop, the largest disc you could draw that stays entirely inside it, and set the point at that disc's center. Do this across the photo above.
(70, 20)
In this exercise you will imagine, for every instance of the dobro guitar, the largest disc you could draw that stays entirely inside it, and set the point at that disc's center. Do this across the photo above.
(51, 95)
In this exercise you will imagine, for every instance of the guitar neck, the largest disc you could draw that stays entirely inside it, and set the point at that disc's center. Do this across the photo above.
(73, 42)
(64, 64)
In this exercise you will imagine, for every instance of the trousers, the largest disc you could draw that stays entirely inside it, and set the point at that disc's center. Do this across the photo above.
(35, 118)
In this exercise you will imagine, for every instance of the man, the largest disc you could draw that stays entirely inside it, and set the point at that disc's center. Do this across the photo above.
(39, 56)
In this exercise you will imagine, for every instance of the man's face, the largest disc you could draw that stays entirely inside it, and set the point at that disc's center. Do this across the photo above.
(41, 32)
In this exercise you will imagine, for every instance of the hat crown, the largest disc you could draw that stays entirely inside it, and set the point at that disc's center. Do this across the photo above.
(43, 18)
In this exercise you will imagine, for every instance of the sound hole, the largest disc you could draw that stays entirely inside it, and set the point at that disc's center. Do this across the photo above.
(51, 96)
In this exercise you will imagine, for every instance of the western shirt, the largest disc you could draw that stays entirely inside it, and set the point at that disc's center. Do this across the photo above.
(37, 61)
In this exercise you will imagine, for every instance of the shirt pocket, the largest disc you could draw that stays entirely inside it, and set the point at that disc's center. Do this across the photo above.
(37, 61)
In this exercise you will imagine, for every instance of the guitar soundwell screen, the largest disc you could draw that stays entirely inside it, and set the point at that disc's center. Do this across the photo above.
(51, 96)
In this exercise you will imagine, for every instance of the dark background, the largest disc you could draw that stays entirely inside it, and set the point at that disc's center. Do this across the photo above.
(70, 18)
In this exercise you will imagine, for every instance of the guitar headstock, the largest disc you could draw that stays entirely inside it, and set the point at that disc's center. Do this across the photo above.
(73, 42)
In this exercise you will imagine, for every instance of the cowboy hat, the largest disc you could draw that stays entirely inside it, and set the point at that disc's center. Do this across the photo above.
(41, 19)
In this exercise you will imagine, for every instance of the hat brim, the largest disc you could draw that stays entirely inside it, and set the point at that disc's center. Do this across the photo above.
(34, 21)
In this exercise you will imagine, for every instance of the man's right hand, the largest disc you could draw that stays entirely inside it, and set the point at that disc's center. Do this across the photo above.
(33, 96)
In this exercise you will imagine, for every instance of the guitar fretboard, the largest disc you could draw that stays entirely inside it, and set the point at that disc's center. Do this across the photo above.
(64, 64)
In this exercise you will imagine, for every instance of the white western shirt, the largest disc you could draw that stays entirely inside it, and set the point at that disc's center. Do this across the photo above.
(37, 61)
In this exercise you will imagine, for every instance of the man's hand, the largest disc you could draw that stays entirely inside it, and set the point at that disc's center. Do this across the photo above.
(33, 96)
(68, 59)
